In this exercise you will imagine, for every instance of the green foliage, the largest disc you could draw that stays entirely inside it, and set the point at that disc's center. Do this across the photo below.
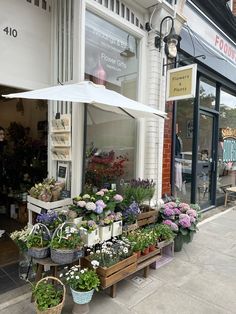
(20, 238)
(164, 232)
(66, 239)
(82, 279)
(139, 191)
(37, 241)
(47, 295)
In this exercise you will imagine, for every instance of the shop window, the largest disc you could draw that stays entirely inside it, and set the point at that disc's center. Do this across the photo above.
(207, 93)
(226, 175)
(110, 59)
(118, 7)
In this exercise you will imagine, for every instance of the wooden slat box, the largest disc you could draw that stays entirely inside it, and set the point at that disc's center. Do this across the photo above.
(111, 275)
(147, 218)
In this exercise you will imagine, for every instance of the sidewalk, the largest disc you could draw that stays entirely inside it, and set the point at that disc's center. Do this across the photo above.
(200, 280)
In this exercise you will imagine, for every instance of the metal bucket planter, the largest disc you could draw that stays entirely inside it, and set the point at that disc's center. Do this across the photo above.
(178, 243)
(39, 252)
(82, 297)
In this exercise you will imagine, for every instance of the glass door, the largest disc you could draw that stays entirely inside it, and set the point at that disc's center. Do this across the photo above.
(206, 166)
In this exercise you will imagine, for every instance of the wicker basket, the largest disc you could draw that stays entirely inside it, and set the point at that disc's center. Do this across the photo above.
(56, 309)
(39, 252)
(63, 256)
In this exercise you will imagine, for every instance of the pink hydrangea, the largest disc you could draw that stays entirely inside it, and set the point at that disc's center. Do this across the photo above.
(192, 212)
(184, 221)
(171, 204)
(104, 190)
(100, 193)
(118, 198)
(176, 210)
(168, 211)
(192, 219)
(184, 207)
(81, 203)
(167, 222)
(172, 225)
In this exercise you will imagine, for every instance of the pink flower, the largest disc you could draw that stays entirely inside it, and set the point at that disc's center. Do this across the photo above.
(168, 211)
(171, 204)
(118, 198)
(184, 221)
(104, 190)
(167, 222)
(184, 207)
(100, 193)
(176, 210)
(100, 203)
(81, 203)
(191, 212)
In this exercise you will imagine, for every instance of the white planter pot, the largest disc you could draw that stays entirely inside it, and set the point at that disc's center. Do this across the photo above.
(116, 228)
(105, 232)
(89, 238)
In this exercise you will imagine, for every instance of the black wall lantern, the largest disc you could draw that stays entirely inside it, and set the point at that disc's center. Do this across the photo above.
(171, 40)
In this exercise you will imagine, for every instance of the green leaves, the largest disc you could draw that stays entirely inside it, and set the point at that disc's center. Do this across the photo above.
(47, 296)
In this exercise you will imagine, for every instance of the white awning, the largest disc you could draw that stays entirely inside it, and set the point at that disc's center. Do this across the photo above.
(90, 93)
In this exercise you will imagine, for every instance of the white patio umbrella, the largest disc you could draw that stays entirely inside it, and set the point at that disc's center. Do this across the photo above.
(90, 93)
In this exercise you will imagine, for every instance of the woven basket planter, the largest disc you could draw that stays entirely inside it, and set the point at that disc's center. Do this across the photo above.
(56, 309)
(80, 297)
(38, 252)
(62, 256)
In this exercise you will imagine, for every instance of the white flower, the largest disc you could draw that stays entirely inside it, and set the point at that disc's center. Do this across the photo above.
(73, 230)
(66, 267)
(95, 264)
(82, 271)
(125, 250)
(67, 274)
(91, 253)
(90, 206)
(61, 275)
(72, 273)
(76, 277)
(98, 252)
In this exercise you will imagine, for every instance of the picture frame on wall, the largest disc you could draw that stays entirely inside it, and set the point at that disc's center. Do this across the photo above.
(189, 131)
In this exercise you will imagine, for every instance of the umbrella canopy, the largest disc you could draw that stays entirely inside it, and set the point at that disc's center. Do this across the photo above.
(90, 93)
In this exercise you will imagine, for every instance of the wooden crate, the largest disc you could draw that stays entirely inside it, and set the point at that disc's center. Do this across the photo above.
(147, 218)
(111, 275)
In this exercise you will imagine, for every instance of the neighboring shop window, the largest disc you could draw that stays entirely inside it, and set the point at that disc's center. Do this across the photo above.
(207, 93)
(111, 59)
(183, 149)
(227, 143)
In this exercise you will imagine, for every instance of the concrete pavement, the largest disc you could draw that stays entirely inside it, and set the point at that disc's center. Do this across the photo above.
(200, 280)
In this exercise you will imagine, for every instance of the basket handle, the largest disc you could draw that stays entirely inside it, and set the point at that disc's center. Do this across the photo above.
(53, 278)
(42, 226)
(58, 230)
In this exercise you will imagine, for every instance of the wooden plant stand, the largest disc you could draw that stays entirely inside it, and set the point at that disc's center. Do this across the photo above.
(147, 218)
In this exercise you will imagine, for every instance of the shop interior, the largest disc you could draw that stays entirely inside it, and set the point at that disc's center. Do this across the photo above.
(23, 162)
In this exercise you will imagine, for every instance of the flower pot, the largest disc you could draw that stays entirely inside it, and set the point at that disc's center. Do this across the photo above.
(89, 238)
(105, 233)
(152, 247)
(80, 297)
(116, 228)
(178, 243)
(38, 252)
(145, 251)
(138, 254)
(62, 256)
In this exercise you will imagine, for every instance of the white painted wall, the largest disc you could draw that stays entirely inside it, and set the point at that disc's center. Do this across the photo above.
(25, 59)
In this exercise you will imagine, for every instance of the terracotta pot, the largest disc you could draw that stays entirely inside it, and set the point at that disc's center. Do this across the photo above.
(152, 247)
(145, 251)
(138, 254)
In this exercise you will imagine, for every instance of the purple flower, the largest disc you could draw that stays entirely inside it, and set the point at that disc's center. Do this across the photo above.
(100, 203)
(192, 219)
(184, 221)
(168, 212)
(191, 212)
(184, 207)
(167, 222)
(171, 204)
(118, 198)
(176, 211)
(174, 227)
(99, 209)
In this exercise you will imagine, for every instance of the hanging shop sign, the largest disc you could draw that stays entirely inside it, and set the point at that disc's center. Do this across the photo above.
(181, 82)
(25, 43)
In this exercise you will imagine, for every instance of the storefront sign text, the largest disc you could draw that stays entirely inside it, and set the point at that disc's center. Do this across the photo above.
(181, 82)
(225, 48)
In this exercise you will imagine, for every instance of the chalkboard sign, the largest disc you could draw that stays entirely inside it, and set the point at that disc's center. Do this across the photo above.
(65, 194)
(62, 171)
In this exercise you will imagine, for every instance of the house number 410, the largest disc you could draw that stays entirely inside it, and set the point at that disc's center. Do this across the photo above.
(10, 31)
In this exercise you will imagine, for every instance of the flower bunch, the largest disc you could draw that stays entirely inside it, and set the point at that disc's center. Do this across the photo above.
(111, 252)
(66, 238)
(130, 213)
(51, 219)
(89, 225)
(20, 238)
(181, 217)
(97, 205)
(82, 279)
(106, 221)
(38, 237)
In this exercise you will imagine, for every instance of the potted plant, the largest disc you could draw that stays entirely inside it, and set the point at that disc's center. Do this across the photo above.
(89, 232)
(51, 219)
(49, 297)
(105, 227)
(82, 282)
(38, 241)
(65, 244)
(163, 234)
(20, 238)
(117, 224)
(130, 214)
(182, 219)
(136, 242)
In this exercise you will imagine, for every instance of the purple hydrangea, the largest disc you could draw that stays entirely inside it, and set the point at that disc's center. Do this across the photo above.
(191, 212)
(130, 213)
(184, 207)
(99, 209)
(118, 198)
(176, 211)
(172, 225)
(168, 211)
(100, 203)
(184, 221)
(171, 204)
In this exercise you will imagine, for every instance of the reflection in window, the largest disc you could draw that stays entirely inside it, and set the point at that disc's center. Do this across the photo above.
(183, 150)
(207, 93)
(226, 175)
(110, 59)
